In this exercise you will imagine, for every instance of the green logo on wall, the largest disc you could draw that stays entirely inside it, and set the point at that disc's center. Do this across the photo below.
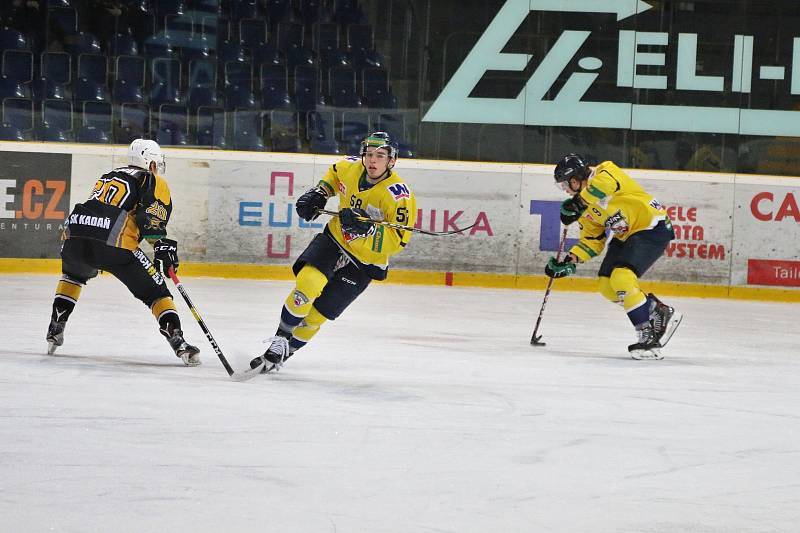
(567, 108)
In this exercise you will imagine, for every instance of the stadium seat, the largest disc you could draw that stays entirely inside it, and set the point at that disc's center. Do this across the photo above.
(275, 87)
(11, 39)
(306, 91)
(86, 89)
(277, 10)
(10, 133)
(90, 134)
(355, 127)
(98, 115)
(230, 51)
(134, 123)
(175, 119)
(243, 9)
(312, 11)
(376, 92)
(57, 67)
(342, 87)
(320, 128)
(395, 125)
(56, 123)
(284, 131)
(201, 97)
(347, 11)
(123, 45)
(202, 84)
(252, 32)
(13, 89)
(131, 69)
(18, 65)
(361, 45)
(82, 43)
(247, 130)
(18, 112)
(65, 19)
(179, 30)
(127, 92)
(211, 127)
(267, 53)
(93, 68)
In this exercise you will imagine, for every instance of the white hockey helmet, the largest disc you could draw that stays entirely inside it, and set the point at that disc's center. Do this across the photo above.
(142, 151)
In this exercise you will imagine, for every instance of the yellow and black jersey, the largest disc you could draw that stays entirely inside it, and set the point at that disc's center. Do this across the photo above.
(389, 200)
(126, 205)
(617, 205)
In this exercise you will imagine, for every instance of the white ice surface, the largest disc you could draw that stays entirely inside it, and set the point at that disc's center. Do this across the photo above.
(420, 410)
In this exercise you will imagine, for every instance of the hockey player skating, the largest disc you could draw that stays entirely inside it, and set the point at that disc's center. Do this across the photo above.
(127, 205)
(606, 200)
(341, 261)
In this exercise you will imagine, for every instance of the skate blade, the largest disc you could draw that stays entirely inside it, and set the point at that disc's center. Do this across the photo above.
(642, 355)
(673, 324)
(51, 347)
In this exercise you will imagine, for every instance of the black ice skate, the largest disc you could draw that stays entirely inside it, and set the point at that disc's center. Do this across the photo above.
(274, 357)
(648, 346)
(55, 336)
(665, 320)
(187, 353)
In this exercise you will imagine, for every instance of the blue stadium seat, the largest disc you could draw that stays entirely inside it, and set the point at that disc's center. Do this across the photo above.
(306, 92)
(170, 7)
(125, 91)
(158, 46)
(13, 89)
(248, 127)
(57, 67)
(275, 87)
(361, 45)
(56, 123)
(290, 41)
(201, 97)
(90, 134)
(202, 84)
(284, 131)
(11, 39)
(123, 45)
(179, 30)
(18, 65)
(131, 69)
(395, 125)
(243, 9)
(342, 87)
(229, 51)
(134, 123)
(377, 93)
(49, 89)
(166, 82)
(18, 112)
(211, 127)
(347, 11)
(93, 68)
(267, 53)
(239, 97)
(238, 74)
(320, 130)
(82, 43)
(86, 90)
(355, 127)
(278, 10)
(252, 32)
(10, 133)
(98, 115)
(312, 11)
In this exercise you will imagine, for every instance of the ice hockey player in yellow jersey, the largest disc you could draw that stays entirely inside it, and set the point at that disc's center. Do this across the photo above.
(341, 261)
(606, 201)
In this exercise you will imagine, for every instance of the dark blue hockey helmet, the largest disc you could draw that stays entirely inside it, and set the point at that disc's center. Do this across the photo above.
(571, 166)
(380, 139)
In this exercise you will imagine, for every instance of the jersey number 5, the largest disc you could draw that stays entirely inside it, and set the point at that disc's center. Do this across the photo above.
(401, 215)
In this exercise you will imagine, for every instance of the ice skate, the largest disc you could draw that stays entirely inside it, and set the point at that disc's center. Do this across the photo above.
(55, 336)
(185, 351)
(274, 357)
(648, 346)
(665, 320)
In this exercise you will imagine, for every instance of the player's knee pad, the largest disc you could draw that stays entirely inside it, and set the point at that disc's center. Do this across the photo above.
(309, 285)
(604, 285)
(625, 284)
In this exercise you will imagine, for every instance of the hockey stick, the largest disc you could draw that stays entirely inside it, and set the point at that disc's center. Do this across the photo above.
(199, 319)
(536, 341)
(400, 226)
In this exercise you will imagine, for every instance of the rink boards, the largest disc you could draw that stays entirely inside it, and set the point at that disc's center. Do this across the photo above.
(234, 216)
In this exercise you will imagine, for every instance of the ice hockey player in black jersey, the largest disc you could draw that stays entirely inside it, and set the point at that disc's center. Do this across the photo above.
(127, 205)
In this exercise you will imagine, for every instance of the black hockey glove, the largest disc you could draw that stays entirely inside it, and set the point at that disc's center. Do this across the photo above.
(165, 252)
(556, 269)
(351, 224)
(572, 209)
(310, 202)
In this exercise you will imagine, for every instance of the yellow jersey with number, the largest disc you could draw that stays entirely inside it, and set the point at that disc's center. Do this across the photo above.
(617, 205)
(389, 200)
